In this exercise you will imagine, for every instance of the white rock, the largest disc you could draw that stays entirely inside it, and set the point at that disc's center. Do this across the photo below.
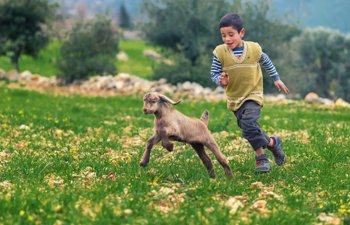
(122, 56)
(152, 54)
(26, 75)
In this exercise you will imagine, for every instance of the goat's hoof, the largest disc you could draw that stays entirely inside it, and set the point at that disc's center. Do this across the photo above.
(143, 164)
(212, 175)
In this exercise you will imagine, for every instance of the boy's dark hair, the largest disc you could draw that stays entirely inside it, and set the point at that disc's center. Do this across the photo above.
(231, 20)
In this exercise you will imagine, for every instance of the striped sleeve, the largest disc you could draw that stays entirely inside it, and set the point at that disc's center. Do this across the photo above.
(216, 70)
(266, 62)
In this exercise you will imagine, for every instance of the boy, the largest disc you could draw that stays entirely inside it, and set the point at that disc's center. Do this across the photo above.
(236, 66)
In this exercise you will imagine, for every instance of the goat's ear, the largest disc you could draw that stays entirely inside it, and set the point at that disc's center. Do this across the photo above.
(166, 99)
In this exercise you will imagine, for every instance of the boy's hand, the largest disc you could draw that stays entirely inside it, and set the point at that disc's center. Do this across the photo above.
(224, 79)
(281, 86)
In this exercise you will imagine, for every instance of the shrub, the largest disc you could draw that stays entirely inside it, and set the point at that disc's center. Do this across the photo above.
(90, 49)
(318, 61)
(183, 70)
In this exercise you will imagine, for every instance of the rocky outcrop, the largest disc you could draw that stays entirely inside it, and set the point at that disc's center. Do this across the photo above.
(126, 84)
(121, 84)
(313, 98)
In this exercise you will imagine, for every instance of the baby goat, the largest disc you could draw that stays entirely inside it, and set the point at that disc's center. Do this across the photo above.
(170, 124)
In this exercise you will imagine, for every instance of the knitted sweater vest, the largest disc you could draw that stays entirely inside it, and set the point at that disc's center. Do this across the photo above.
(245, 76)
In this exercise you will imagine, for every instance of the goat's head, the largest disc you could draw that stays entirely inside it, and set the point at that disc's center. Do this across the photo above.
(152, 101)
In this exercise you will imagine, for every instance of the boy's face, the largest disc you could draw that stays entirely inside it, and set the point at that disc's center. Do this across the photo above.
(231, 37)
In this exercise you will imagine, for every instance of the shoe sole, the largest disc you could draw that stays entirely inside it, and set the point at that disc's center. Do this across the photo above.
(284, 161)
(262, 171)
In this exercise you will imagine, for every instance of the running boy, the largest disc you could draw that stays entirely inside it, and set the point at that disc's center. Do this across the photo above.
(236, 66)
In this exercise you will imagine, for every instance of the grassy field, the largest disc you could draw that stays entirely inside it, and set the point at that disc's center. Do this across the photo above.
(44, 63)
(74, 160)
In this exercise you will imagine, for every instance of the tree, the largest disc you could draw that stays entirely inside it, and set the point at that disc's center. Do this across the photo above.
(318, 61)
(89, 50)
(190, 28)
(186, 26)
(124, 18)
(22, 27)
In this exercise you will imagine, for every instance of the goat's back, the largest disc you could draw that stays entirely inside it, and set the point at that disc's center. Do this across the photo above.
(184, 127)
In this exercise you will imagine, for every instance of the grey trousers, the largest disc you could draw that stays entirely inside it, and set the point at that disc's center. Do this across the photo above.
(247, 119)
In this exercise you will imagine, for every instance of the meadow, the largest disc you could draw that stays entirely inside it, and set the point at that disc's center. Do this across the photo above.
(45, 62)
(75, 160)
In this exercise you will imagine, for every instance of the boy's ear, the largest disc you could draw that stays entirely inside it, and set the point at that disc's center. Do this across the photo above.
(242, 32)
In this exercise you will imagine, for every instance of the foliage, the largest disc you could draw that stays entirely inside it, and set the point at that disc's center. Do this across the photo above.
(90, 49)
(190, 27)
(124, 18)
(183, 70)
(186, 26)
(318, 61)
(22, 27)
(74, 160)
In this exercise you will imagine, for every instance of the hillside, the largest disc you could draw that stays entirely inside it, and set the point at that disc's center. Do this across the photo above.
(312, 13)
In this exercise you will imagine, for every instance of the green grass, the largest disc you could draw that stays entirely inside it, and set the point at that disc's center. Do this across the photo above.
(138, 64)
(74, 160)
(44, 63)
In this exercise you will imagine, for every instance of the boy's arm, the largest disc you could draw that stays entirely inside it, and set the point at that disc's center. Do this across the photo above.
(215, 71)
(266, 62)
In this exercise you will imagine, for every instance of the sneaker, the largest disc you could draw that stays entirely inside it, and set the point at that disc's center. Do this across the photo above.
(277, 151)
(262, 164)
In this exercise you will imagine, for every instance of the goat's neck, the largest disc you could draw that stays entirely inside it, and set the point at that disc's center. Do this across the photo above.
(164, 110)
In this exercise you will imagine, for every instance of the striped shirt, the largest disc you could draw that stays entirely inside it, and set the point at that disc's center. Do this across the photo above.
(216, 67)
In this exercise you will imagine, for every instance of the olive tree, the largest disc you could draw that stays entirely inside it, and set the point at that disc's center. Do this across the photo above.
(189, 29)
(318, 61)
(90, 49)
(22, 27)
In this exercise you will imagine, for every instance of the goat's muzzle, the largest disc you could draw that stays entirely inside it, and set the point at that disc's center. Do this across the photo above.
(145, 111)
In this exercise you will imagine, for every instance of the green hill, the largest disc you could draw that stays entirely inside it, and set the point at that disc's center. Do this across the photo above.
(312, 13)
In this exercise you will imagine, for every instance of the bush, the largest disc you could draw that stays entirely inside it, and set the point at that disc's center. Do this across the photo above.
(90, 49)
(190, 28)
(318, 61)
(183, 70)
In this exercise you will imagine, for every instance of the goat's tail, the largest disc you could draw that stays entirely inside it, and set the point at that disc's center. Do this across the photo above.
(205, 117)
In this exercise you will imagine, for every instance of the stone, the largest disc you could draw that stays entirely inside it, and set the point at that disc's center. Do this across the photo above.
(122, 56)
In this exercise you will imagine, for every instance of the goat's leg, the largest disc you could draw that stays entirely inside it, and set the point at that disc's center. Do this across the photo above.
(167, 144)
(213, 147)
(205, 159)
(146, 155)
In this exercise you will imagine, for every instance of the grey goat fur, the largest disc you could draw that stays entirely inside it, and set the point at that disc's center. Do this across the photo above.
(170, 124)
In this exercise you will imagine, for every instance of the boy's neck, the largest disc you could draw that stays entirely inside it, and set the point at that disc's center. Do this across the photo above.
(239, 46)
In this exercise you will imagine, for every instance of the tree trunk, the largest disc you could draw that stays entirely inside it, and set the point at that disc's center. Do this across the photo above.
(15, 60)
